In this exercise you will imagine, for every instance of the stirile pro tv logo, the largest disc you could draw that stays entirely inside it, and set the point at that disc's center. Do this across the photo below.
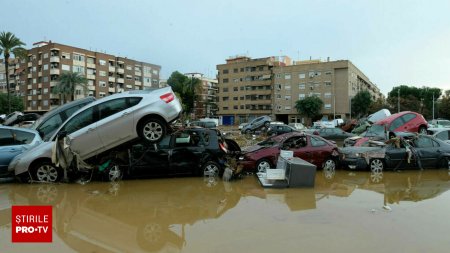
(31, 224)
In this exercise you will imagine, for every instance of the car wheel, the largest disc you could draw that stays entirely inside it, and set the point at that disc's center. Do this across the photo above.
(329, 164)
(47, 172)
(376, 177)
(113, 173)
(263, 165)
(445, 163)
(423, 130)
(152, 130)
(211, 169)
(376, 165)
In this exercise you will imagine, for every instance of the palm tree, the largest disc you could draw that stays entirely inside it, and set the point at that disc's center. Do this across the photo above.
(9, 43)
(67, 83)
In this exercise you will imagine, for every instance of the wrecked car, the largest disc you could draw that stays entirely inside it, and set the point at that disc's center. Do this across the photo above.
(333, 133)
(384, 129)
(413, 151)
(313, 149)
(14, 141)
(99, 127)
(192, 151)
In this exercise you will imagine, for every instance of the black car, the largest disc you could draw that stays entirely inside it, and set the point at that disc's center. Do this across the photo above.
(418, 151)
(277, 129)
(192, 151)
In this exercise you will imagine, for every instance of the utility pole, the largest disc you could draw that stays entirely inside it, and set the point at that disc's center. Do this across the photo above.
(398, 105)
(433, 105)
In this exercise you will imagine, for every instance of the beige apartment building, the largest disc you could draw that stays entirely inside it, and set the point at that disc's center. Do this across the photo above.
(272, 85)
(34, 77)
(205, 105)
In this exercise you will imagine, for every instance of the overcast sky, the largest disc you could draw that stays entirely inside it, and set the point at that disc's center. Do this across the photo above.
(392, 42)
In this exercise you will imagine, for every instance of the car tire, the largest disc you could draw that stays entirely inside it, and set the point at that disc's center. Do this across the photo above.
(329, 164)
(152, 130)
(376, 165)
(211, 169)
(445, 163)
(46, 172)
(263, 165)
(113, 173)
(422, 130)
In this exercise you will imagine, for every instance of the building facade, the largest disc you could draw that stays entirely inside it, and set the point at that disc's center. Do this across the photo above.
(273, 85)
(35, 77)
(205, 105)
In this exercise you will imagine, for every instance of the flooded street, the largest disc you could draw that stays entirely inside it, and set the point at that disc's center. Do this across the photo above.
(345, 212)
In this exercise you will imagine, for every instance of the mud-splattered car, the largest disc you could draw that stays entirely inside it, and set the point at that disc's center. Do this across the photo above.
(413, 151)
(314, 149)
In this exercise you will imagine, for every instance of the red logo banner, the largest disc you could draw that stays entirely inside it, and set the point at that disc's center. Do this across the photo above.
(31, 224)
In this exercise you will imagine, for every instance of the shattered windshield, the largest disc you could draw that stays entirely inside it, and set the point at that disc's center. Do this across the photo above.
(375, 131)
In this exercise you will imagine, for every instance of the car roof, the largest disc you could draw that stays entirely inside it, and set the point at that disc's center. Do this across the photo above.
(20, 129)
(392, 117)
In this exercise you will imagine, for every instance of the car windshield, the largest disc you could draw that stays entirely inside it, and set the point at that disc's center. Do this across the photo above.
(375, 131)
(444, 122)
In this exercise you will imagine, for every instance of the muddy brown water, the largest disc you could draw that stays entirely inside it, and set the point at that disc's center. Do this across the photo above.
(345, 212)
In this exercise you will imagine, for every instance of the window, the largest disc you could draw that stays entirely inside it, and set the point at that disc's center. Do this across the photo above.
(317, 142)
(236, 80)
(287, 76)
(102, 73)
(327, 83)
(90, 60)
(396, 123)
(327, 95)
(225, 98)
(78, 69)
(287, 107)
(102, 62)
(444, 135)
(278, 96)
(235, 98)
(235, 107)
(225, 89)
(225, 108)
(301, 96)
(65, 55)
(50, 126)
(301, 75)
(78, 57)
(111, 107)
(225, 80)
(102, 84)
(235, 70)
(287, 87)
(45, 79)
(225, 71)
(301, 86)
(287, 97)
(90, 71)
(235, 88)
(278, 75)
(65, 67)
(129, 67)
(45, 55)
(409, 116)
(423, 142)
(6, 137)
(328, 73)
(327, 106)
(83, 119)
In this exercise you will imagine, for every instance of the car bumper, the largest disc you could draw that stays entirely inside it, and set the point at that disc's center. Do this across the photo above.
(247, 165)
(358, 163)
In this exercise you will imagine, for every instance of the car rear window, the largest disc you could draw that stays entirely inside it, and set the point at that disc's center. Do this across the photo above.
(22, 137)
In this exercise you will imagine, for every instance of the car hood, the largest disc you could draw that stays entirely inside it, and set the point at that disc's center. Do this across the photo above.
(253, 148)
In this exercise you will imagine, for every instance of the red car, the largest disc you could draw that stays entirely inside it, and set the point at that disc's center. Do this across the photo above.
(400, 122)
(314, 149)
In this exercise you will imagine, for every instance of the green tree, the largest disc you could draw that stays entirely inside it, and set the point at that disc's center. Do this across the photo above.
(186, 87)
(67, 84)
(444, 105)
(16, 104)
(413, 99)
(309, 107)
(10, 45)
(377, 105)
(361, 103)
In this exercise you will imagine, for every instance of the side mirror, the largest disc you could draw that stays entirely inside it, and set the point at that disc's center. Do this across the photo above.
(61, 135)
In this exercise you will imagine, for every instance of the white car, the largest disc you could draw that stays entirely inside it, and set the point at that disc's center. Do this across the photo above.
(103, 125)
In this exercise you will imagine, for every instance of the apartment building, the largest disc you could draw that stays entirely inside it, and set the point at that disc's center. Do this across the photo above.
(284, 83)
(35, 76)
(205, 105)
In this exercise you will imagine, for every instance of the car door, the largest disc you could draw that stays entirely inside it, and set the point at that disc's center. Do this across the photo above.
(395, 155)
(146, 160)
(186, 154)
(116, 121)
(301, 148)
(83, 134)
(427, 150)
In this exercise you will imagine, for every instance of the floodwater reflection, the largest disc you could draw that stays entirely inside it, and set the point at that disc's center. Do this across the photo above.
(194, 215)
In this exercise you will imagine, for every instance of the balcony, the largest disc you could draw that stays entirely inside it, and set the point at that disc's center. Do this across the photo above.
(91, 87)
(120, 80)
(39, 97)
(111, 79)
(111, 69)
(138, 73)
(29, 75)
(137, 83)
(29, 98)
(120, 71)
(54, 71)
(54, 59)
(91, 77)
(90, 65)
(40, 73)
(111, 89)
(129, 86)
(40, 62)
(17, 88)
(29, 64)
(39, 85)
(29, 86)
(53, 83)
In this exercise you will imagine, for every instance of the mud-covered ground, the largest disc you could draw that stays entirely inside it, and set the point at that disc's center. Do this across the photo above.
(345, 212)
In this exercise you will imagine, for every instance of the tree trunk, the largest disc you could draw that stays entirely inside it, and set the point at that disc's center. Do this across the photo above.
(7, 82)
